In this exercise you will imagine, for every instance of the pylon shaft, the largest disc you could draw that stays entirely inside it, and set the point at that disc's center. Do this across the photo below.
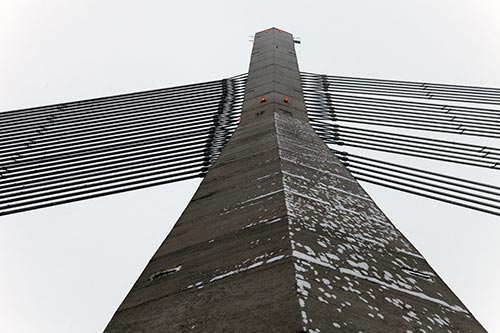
(281, 238)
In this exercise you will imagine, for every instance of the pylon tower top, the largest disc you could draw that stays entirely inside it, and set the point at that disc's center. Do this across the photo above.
(280, 237)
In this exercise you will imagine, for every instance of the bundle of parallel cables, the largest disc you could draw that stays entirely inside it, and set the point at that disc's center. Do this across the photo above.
(73, 151)
(391, 118)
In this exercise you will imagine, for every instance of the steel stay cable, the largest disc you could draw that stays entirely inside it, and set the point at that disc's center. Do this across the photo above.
(399, 115)
(457, 203)
(99, 142)
(321, 127)
(417, 127)
(109, 190)
(317, 106)
(111, 101)
(19, 188)
(74, 139)
(144, 148)
(406, 95)
(377, 91)
(382, 115)
(339, 117)
(323, 116)
(179, 114)
(453, 180)
(141, 150)
(179, 101)
(39, 190)
(18, 172)
(355, 90)
(475, 128)
(348, 106)
(35, 176)
(113, 98)
(425, 86)
(417, 154)
(429, 190)
(85, 152)
(325, 133)
(337, 113)
(42, 152)
(315, 76)
(311, 97)
(358, 157)
(106, 179)
(434, 128)
(377, 170)
(413, 91)
(89, 120)
(321, 121)
(463, 130)
(110, 149)
(376, 140)
(325, 137)
(138, 110)
(311, 94)
(125, 129)
(86, 187)
(492, 164)
(434, 89)
(478, 151)
(33, 173)
(217, 141)
(370, 89)
(410, 138)
(61, 113)
(59, 185)
(181, 176)
(118, 111)
(335, 85)
(203, 117)
(367, 91)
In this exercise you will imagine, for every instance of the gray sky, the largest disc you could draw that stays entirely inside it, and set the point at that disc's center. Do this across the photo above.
(67, 268)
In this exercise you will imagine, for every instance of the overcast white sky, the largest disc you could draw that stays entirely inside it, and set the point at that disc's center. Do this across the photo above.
(67, 268)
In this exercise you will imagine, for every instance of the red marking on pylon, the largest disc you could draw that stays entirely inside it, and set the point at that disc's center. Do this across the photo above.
(285, 99)
(262, 99)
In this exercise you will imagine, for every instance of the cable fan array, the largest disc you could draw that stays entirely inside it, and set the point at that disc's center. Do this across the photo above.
(337, 105)
(72, 151)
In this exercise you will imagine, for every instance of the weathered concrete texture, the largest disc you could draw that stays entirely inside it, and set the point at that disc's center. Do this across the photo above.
(355, 271)
(280, 237)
